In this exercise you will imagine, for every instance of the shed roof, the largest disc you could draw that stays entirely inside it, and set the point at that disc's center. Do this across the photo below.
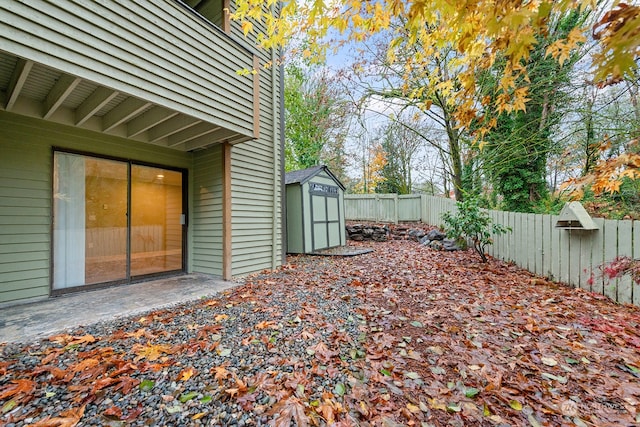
(304, 175)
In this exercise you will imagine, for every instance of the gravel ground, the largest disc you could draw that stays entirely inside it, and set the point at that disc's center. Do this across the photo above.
(248, 357)
(403, 336)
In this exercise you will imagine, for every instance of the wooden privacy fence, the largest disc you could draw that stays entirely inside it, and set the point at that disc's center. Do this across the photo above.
(570, 256)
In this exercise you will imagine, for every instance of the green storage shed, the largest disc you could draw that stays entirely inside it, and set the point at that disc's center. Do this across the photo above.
(315, 210)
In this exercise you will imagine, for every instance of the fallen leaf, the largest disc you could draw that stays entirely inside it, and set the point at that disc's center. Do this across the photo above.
(114, 412)
(560, 379)
(265, 324)
(187, 373)
(412, 375)
(173, 409)
(146, 385)
(437, 370)
(534, 421)
(413, 408)
(68, 418)
(288, 410)
(8, 406)
(185, 397)
(453, 407)
(471, 392)
(15, 387)
(150, 351)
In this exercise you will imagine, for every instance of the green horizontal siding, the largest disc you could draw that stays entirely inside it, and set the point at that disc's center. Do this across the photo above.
(25, 211)
(207, 212)
(27, 145)
(123, 46)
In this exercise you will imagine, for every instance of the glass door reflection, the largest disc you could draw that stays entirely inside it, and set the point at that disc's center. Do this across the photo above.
(156, 227)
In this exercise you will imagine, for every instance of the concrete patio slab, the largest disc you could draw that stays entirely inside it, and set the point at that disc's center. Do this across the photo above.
(28, 322)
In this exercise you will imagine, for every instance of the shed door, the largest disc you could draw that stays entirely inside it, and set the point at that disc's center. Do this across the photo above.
(325, 208)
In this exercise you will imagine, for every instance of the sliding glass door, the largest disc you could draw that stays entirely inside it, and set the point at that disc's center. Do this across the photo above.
(156, 220)
(114, 220)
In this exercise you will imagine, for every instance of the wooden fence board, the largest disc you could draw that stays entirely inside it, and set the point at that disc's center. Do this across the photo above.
(506, 253)
(610, 252)
(625, 248)
(503, 238)
(531, 244)
(585, 260)
(521, 244)
(513, 242)
(573, 256)
(555, 249)
(597, 257)
(491, 247)
(636, 255)
(500, 248)
(564, 259)
(546, 245)
(547, 255)
(538, 240)
(423, 209)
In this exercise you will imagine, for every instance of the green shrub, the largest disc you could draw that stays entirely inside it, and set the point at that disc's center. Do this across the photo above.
(472, 225)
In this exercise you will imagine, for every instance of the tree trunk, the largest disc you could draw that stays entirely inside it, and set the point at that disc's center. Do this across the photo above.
(456, 160)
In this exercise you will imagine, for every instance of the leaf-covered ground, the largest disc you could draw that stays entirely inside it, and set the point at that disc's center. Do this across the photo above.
(401, 336)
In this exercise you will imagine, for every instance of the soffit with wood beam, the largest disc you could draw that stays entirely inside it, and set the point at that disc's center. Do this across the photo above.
(36, 90)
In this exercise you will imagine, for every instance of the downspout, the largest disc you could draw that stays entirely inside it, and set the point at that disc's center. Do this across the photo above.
(276, 186)
(283, 188)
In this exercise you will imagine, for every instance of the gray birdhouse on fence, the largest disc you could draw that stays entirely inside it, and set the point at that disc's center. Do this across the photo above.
(574, 217)
(315, 210)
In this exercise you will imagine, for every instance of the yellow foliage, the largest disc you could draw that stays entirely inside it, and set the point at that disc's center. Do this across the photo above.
(608, 174)
(372, 174)
(474, 32)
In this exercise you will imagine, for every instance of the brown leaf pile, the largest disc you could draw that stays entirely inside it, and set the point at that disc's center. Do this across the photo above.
(442, 340)
(486, 344)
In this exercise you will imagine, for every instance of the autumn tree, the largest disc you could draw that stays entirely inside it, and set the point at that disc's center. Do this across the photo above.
(599, 130)
(515, 157)
(372, 161)
(479, 33)
(385, 75)
(401, 140)
(316, 119)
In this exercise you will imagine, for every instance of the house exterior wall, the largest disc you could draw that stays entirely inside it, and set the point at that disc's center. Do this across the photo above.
(159, 52)
(155, 50)
(207, 212)
(256, 176)
(26, 173)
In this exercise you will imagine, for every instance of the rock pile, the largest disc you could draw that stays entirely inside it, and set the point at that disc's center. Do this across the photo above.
(407, 232)
(435, 239)
(430, 237)
(368, 232)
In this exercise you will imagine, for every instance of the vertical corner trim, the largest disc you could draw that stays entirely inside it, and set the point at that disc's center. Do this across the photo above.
(256, 96)
(227, 273)
(226, 11)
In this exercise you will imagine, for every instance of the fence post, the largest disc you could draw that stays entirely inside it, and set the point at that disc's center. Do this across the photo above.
(395, 208)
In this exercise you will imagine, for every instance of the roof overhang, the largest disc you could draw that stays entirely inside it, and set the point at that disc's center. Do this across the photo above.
(33, 89)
